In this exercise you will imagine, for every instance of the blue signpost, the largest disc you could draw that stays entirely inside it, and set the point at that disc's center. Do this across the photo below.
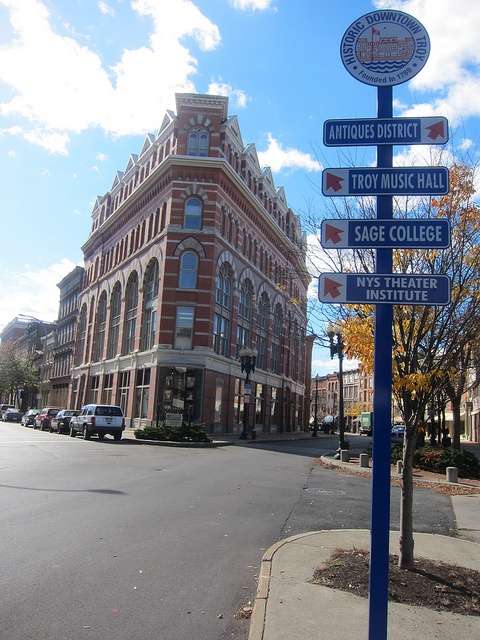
(399, 181)
(373, 132)
(392, 288)
(386, 234)
(383, 49)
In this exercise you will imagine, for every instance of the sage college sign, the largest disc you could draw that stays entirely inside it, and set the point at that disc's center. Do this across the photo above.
(385, 48)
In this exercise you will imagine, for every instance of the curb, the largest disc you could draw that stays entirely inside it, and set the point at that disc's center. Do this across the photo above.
(259, 612)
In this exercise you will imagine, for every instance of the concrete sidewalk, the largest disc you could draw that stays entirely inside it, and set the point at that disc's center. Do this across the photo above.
(289, 607)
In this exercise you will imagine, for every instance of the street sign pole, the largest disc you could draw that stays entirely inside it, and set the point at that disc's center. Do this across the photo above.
(382, 400)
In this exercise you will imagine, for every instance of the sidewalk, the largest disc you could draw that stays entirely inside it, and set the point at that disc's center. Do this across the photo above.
(289, 607)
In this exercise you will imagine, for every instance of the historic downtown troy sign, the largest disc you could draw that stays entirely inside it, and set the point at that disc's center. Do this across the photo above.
(385, 48)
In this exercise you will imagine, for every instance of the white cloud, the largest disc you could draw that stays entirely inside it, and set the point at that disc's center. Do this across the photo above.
(279, 159)
(61, 86)
(34, 293)
(251, 5)
(453, 68)
(237, 97)
(106, 8)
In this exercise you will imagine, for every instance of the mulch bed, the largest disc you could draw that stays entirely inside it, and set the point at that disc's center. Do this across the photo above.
(435, 585)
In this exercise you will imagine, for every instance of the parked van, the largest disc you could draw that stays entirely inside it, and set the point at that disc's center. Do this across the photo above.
(98, 419)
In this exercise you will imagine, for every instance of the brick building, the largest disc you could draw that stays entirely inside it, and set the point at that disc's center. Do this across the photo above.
(193, 256)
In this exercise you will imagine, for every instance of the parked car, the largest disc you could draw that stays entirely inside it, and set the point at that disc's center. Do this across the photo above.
(12, 415)
(98, 419)
(398, 431)
(4, 407)
(42, 419)
(61, 422)
(28, 419)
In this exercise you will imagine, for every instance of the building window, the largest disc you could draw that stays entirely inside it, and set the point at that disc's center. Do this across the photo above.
(245, 315)
(130, 325)
(123, 387)
(82, 332)
(100, 328)
(150, 303)
(184, 328)
(198, 142)
(114, 328)
(142, 393)
(223, 310)
(262, 330)
(193, 214)
(276, 338)
(107, 388)
(188, 270)
(94, 386)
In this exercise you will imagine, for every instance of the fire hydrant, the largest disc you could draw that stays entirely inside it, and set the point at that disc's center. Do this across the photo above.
(254, 434)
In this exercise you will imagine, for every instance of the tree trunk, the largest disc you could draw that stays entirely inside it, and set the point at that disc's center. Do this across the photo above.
(406, 542)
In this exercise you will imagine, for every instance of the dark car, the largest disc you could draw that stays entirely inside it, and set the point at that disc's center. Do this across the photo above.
(28, 419)
(12, 415)
(61, 422)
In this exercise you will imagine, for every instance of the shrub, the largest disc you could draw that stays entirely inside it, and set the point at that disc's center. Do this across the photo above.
(185, 433)
(437, 459)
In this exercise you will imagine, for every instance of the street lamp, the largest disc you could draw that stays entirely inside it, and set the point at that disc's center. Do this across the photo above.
(334, 333)
(248, 358)
(315, 423)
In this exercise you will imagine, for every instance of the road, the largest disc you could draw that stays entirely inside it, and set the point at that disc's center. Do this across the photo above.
(109, 540)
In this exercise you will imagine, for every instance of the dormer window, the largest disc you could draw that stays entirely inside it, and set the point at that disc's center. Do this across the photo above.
(198, 142)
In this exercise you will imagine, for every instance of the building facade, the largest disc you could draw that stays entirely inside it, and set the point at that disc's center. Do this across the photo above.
(194, 256)
(62, 349)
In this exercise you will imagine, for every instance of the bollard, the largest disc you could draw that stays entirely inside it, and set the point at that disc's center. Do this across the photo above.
(344, 455)
(254, 434)
(399, 467)
(452, 474)
(364, 460)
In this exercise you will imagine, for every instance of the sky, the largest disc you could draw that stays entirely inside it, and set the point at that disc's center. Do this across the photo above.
(82, 83)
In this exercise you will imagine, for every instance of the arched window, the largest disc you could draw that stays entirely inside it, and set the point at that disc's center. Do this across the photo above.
(100, 328)
(223, 310)
(193, 214)
(131, 304)
(150, 303)
(262, 330)
(188, 270)
(277, 338)
(198, 142)
(114, 326)
(244, 335)
(82, 334)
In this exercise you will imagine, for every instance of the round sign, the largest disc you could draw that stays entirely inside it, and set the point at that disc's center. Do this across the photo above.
(385, 48)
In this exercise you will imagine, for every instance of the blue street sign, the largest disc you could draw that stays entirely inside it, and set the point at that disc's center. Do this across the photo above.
(386, 234)
(376, 288)
(399, 181)
(364, 132)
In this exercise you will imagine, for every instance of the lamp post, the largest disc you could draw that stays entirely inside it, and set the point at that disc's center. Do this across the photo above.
(315, 422)
(248, 358)
(334, 332)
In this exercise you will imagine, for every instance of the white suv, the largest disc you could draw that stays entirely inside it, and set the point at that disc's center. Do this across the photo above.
(98, 419)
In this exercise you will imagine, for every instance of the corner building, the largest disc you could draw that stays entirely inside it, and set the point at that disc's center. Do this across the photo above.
(193, 256)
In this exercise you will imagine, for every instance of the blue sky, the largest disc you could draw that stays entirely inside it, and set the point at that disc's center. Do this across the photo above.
(83, 82)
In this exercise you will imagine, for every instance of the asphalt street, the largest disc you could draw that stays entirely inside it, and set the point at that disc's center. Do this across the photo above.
(115, 540)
